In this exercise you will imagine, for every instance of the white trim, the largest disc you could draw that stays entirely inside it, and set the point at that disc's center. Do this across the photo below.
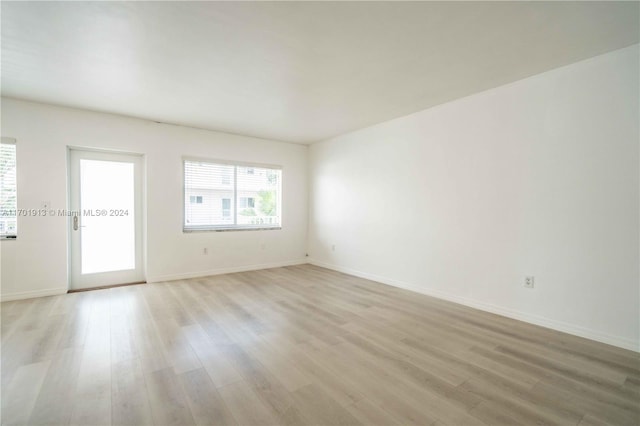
(564, 327)
(32, 294)
(220, 271)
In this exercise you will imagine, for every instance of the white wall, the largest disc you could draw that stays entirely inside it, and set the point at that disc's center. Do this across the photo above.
(461, 201)
(36, 263)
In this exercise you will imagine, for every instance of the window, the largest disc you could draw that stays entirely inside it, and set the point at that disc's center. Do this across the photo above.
(8, 189)
(226, 207)
(223, 196)
(246, 202)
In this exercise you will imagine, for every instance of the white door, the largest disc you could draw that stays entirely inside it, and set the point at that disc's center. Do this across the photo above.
(106, 223)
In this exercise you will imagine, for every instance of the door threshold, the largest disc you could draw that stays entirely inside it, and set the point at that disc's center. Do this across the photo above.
(105, 287)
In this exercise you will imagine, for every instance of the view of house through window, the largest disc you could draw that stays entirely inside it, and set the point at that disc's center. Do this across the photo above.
(8, 190)
(230, 196)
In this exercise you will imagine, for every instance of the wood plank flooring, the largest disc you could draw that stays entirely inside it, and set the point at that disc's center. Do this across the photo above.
(300, 345)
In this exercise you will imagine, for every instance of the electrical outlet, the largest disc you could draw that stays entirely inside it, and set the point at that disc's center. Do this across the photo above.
(333, 247)
(205, 251)
(528, 282)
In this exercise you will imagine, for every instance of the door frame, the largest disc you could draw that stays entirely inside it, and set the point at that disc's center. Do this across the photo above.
(139, 160)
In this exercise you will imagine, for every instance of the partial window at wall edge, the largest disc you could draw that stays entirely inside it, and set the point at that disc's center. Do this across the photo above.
(8, 189)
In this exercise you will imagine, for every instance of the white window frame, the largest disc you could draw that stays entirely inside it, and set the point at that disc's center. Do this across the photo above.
(234, 200)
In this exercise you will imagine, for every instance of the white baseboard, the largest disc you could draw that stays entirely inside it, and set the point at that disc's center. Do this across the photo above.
(56, 291)
(220, 271)
(31, 294)
(564, 327)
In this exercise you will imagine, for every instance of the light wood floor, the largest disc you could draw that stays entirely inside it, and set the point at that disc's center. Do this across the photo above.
(298, 345)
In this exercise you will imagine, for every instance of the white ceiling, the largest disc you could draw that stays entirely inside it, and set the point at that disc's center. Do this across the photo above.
(291, 71)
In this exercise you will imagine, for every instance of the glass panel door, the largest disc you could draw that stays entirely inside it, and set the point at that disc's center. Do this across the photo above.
(105, 226)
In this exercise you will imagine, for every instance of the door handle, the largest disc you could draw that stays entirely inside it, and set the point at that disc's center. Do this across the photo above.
(75, 223)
